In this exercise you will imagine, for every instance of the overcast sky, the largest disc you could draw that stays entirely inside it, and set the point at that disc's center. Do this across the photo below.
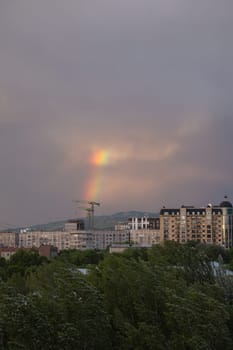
(150, 81)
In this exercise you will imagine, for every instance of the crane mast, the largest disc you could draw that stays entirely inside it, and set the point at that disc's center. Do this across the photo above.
(90, 211)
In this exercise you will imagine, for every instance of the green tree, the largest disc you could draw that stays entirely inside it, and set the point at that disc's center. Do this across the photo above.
(196, 321)
(189, 259)
(59, 310)
(81, 258)
(134, 299)
(3, 267)
(23, 261)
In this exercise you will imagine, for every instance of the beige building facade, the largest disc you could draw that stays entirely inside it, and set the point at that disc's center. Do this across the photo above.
(60, 239)
(212, 224)
(144, 231)
(9, 239)
(105, 238)
(145, 237)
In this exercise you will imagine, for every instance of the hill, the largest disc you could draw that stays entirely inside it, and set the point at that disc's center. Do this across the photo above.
(101, 222)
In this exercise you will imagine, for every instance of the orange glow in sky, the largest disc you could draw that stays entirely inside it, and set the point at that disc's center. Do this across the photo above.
(100, 157)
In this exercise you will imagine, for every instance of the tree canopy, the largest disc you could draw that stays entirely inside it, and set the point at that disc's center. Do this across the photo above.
(168, 297)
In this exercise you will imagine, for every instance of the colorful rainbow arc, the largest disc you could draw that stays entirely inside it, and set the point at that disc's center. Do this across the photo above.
(98, 159)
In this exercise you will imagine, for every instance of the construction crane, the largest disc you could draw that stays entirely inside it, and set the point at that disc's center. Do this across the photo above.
(90, 211)
(89, 215)
(92, 203)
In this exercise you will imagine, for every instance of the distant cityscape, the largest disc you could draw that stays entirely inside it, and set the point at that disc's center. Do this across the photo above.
(212, 224)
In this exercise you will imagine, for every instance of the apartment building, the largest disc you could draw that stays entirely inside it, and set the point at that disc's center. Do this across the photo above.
(144, 222)
(81, 240)
(60, 239)
(73, 237)
(145, 237)
(144, 231)
(211, 224)
(74, 225)
(121, 226)
(9, 239)
(105, 238)
(31, 239)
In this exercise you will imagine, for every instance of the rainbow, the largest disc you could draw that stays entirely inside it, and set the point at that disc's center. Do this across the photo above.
(98, 160)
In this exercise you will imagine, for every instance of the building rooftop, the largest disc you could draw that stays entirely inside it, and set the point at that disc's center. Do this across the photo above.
(225, 203)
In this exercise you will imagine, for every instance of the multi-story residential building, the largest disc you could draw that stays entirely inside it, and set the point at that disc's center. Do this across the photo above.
(145, 237)
(121, 226)
(81, 240)
(144, 231)
(73, 237)
(211, 224)
(105, 238)
(9, 239)
(60, 239)
(74, 225)
(143, 223)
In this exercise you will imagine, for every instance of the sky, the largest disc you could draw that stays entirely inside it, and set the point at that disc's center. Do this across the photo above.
(128, 103)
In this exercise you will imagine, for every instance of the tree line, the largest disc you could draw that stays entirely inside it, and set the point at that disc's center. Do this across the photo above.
(168, 297)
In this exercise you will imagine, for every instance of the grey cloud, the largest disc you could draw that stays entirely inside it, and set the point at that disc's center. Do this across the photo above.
(143, 78)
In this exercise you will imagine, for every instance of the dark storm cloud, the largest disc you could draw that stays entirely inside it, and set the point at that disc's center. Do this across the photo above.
(149, 80)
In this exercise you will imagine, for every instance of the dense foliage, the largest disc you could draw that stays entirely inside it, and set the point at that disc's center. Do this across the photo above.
(168, 297)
